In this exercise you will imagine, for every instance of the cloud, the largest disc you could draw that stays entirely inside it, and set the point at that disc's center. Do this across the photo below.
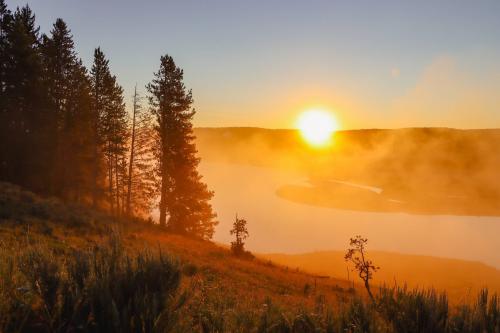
(395, 72)
(448, 95)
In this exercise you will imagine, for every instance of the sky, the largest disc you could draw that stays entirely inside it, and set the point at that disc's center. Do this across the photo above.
(373, 64)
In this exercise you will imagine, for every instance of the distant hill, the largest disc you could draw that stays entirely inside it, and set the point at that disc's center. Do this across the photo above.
(420, 170)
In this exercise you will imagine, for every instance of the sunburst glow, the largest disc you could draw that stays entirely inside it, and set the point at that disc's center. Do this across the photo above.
(317, 127)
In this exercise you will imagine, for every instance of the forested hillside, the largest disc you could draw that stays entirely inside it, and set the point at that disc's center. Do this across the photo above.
(65, 130)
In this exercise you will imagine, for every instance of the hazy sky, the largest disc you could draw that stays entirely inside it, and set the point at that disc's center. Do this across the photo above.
(259, 63)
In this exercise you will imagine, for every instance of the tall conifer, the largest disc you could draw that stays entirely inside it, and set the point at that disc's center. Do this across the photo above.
(24, 106)
(108, 105)
(5, 25)
(183, 196)
(69, 93)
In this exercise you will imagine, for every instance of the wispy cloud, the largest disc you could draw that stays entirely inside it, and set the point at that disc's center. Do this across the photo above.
(447, 94)
(395, 72)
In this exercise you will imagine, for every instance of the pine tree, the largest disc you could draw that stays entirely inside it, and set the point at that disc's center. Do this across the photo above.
(182, 193)
(69, 93)
(108, 105)
(80, 136)
(98, 94)
(117, 136)
(5, 25)
(60, 60)
(141, 177)
(25, 111)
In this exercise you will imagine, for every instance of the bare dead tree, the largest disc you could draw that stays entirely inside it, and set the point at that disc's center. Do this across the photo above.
(140, 176)
(356, 255)
(132, 151)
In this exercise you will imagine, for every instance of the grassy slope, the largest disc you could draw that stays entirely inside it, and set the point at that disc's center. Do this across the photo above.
(27, 218)
(461, 279)
(223, 293)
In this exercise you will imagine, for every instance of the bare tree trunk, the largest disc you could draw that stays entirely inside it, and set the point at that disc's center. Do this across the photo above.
(164, 180)
(367, 286)
(95, 167)
(95, 177)
(163, 198)
(110, 180)
(117, 183)
(131, 160)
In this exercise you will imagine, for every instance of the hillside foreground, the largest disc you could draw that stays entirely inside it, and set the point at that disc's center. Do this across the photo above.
(58, 259)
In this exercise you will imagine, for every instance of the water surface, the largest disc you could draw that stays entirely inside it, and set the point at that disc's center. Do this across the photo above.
(279, 225)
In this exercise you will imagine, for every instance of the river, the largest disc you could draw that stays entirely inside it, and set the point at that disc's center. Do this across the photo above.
(279, 225)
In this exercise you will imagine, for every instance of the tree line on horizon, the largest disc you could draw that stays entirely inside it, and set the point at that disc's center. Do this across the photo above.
(65, 131)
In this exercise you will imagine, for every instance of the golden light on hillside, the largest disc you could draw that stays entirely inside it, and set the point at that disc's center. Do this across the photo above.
(317, 127)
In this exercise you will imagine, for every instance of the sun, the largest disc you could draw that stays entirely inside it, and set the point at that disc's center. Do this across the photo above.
(317, 127)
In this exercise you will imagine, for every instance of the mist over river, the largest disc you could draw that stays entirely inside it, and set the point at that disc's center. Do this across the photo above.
(278, 225)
